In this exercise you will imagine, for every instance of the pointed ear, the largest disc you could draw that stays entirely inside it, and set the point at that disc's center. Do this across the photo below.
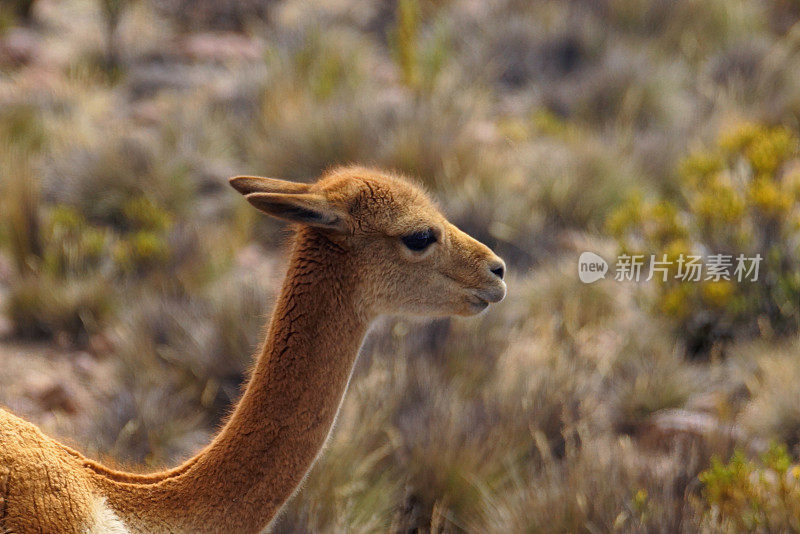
(305, 208)
(256, 184)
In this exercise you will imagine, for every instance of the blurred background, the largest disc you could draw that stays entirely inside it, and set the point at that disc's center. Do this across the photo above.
(134, 283)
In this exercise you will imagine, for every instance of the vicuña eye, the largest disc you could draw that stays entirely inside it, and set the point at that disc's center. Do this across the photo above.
(419, 240)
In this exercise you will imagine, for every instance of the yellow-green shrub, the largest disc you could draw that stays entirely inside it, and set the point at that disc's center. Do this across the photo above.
(63, 290)
(739, 196)
(745, 495)
(73, 245)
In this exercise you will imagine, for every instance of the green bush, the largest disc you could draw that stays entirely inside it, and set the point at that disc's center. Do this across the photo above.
(745, 495)
(21, 217)
(24, 136)
(73, 245)
(62, 289)
(738, 197)
(128, 182)
(44, 307)
(76, 246)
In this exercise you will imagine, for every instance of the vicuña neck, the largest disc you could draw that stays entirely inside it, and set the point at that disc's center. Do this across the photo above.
(239, 481)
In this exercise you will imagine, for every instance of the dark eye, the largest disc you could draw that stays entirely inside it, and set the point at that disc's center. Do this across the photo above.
(419, 240)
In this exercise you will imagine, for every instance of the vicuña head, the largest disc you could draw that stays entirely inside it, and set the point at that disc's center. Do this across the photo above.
(410, 259)
(366, 243)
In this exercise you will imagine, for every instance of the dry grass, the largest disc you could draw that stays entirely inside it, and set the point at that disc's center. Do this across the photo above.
(530, 121)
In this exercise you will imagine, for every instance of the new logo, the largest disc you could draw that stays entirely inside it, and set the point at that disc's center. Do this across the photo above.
(591, 267)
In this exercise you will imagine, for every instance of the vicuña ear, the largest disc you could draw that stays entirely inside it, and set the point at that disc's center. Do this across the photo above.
(304, 208)
(256, 184)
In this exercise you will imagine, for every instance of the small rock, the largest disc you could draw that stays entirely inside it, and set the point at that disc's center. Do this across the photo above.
(84, 364)
(147, 113)
(220, 48)
(250, 257)
(100, 345)
(19, 46)
(56, 397)
(663, 428)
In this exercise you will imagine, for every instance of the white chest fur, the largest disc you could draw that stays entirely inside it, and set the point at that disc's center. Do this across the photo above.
(105, 521)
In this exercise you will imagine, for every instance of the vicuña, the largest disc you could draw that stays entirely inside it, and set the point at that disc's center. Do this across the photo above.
(366, 243)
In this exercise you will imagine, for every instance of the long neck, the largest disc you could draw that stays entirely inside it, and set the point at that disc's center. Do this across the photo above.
(252, 467)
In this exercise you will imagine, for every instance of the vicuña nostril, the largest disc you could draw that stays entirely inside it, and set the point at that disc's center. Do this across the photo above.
(498, 269)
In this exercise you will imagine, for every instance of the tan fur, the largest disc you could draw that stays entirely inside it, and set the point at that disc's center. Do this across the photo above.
(348, 265)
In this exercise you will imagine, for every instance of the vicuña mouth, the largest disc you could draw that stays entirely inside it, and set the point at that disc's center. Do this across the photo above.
(491, 295)
(478, 303)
